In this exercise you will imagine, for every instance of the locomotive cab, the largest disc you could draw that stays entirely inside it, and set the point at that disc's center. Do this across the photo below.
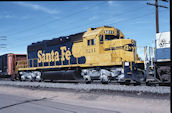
(107, 47)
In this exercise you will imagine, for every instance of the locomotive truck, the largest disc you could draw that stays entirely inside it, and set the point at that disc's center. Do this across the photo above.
(100, 53)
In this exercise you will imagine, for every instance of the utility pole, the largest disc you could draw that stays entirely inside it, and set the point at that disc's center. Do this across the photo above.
(157, 18)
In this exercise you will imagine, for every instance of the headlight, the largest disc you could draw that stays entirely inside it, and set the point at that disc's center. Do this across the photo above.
(126, 64)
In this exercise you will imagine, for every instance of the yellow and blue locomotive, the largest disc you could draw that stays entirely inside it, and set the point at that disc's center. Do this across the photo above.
(99, 53)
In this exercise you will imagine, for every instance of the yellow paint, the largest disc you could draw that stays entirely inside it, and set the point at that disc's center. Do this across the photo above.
(56, 56)
(107, 53)
(53, 56)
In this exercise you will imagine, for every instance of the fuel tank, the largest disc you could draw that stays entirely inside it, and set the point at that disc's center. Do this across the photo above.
(61, 75)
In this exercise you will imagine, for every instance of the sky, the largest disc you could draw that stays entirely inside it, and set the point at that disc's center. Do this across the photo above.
(23, 23)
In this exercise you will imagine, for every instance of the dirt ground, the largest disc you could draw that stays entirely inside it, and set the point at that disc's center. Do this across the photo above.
(124, 104)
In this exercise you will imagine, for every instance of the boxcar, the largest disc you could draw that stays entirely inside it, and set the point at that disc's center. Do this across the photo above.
(8, 63)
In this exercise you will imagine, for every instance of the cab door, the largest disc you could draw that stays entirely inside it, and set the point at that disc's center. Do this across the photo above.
(91, 50)
(101, 43)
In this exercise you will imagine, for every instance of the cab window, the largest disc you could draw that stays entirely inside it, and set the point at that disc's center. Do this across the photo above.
(92, 41)
(101, 39)
(121, 37)
(88, 42)
(111, 37)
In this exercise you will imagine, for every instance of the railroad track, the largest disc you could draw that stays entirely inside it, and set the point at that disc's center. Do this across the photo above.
(154, 84)
(98, 87)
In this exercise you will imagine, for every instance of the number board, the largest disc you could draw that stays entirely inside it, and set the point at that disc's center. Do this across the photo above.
(109, 32)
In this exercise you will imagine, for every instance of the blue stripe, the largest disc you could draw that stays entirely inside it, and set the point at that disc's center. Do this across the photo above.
(162, 53)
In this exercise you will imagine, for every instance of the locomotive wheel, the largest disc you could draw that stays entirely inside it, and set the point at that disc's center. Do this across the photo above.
(149, 83)
(88, 82)
(137, 83)
(13, 78)
(121, 83)
(105, 81)
(127, 82)
(42, 80)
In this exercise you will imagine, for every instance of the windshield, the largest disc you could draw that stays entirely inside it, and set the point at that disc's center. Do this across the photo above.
(111, 37)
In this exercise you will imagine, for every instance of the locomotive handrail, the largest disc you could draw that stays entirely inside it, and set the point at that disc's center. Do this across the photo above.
(31, 61)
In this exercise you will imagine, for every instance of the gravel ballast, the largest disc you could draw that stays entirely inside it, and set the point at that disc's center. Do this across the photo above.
(91, 87)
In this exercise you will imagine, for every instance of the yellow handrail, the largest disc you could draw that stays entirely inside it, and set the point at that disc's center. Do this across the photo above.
(26, 63)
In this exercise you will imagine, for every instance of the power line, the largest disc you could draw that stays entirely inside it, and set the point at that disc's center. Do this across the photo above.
(112, 23)
(3, 42)
(20, 32)
(125, 20)
(13, 28)
(81, 26)
(46, 29)
(3, 38)
(132, 11)
(51, 21)
(3, 45)
(101, 22)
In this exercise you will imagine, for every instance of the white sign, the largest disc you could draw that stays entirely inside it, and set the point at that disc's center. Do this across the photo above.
(163, 40)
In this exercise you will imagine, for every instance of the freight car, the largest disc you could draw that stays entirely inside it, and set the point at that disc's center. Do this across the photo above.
(99, 53)
(8, 64)
(160, 70)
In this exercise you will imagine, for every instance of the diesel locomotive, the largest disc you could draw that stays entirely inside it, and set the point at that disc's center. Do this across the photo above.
(159, 69)
(100, 53)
